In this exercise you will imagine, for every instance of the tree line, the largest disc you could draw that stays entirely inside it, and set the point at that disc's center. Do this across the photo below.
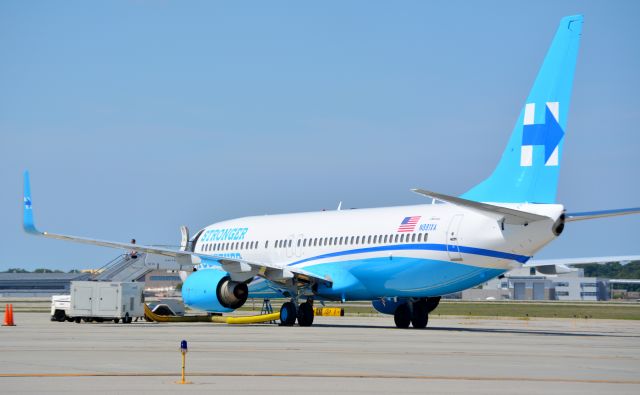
(39, 270)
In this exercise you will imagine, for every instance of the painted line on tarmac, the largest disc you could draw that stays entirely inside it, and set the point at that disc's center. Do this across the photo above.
(354, 375)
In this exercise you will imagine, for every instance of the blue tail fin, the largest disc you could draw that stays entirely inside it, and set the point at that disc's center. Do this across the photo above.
(529, 167)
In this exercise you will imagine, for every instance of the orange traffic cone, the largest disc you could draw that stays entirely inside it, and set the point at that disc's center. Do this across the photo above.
(8, 316)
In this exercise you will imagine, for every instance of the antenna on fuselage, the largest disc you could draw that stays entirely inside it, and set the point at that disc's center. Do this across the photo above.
(339, 206)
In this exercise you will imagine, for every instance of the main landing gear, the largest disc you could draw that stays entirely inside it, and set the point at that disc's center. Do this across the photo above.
(303, 313)
(415, 312)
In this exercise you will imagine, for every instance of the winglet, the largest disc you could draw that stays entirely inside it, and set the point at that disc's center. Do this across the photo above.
(27, 216)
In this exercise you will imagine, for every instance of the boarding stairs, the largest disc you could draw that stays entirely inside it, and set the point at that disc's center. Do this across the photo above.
(126, 268)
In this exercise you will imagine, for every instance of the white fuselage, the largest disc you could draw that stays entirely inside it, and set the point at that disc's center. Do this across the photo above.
(370, 253)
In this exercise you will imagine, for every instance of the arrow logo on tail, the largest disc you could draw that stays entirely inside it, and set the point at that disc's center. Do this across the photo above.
(547, 134)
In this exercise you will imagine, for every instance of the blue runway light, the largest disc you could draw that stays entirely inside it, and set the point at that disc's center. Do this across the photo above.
(183, 346)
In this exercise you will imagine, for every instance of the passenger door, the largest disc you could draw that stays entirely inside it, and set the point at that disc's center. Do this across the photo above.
(453, 247)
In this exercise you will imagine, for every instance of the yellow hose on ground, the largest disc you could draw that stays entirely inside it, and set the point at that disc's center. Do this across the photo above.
(254, 319)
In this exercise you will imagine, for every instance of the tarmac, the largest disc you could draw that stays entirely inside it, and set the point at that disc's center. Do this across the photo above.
(336, 355)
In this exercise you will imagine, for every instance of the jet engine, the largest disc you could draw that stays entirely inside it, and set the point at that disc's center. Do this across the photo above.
(213, 290)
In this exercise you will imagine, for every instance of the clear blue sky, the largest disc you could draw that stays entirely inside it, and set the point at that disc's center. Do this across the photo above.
(135, 117)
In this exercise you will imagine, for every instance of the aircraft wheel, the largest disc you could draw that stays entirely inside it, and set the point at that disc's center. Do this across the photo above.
(305, 314)
(288, 314)
(419, 316)
(402, 316)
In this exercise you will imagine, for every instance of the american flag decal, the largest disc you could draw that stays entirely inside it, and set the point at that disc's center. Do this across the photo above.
(409, 224)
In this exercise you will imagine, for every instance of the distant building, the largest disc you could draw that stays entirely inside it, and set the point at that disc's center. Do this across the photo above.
(37, 284)
(523, 284)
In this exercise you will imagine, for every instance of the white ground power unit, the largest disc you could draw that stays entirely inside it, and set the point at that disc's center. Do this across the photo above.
(106, 301)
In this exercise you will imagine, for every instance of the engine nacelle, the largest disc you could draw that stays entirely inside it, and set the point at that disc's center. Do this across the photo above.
(213, 290)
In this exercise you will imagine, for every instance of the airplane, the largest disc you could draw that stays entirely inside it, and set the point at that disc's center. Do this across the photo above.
(402, 259)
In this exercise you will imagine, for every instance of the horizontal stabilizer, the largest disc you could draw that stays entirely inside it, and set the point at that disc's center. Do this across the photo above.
(511, 216)
(601, 214)
(565, 265)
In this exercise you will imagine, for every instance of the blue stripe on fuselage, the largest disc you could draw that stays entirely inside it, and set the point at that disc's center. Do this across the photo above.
(428, 247)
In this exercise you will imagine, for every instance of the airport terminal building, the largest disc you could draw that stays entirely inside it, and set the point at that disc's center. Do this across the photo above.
(37, 284)
(526, 284)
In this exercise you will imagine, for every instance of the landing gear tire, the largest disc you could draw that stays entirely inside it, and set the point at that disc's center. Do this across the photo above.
(288, 314)
(402, 316)
(419, 316)
(305, 314)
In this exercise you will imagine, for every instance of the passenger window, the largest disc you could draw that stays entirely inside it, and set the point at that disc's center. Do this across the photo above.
(426, 236)
(413, 238)
(396, 239)
(358, 240)
(385, 239)
(266, 244)
(369, 239)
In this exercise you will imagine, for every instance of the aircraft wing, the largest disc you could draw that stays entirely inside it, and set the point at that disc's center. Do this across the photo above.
(236, 267)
